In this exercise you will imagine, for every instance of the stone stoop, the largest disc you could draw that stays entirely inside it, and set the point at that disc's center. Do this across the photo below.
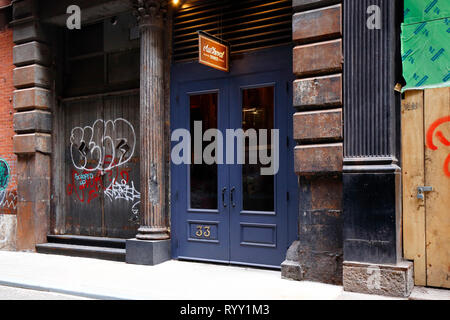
(85, 247)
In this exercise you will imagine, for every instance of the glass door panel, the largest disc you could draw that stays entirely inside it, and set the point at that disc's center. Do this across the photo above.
(201, 206)
(257, 115)
(203, 177)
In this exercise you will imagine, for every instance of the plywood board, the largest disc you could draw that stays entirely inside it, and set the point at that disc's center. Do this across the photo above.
(413, 177)
(437, 175)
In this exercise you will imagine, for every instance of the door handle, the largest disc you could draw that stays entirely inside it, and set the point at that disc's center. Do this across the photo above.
(421, 192)
(224, 190)
(232, 197)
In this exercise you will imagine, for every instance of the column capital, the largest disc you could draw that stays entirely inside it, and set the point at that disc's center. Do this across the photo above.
(150, 13)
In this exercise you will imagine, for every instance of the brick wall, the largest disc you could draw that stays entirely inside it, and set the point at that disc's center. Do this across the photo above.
(8, 196)
(318, 131)
(6, 119)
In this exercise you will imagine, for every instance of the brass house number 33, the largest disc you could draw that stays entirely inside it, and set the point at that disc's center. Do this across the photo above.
(203, 232)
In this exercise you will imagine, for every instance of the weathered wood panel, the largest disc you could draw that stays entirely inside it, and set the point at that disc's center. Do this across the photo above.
(102, 166)
(437, 175)
(122, 183)
(83, 153)
(413, 176)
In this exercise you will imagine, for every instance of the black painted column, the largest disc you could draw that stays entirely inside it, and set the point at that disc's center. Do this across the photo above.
(372, 198)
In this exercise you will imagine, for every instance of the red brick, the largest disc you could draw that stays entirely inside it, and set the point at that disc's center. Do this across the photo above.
(7, 111)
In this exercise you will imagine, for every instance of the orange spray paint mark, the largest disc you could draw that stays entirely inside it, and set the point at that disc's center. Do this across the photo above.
(430, 144)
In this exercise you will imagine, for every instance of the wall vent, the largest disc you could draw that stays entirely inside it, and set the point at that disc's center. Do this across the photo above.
(246, 25)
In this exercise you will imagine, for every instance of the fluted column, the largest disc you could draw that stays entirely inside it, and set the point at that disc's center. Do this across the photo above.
(154, 222)
(372, 207)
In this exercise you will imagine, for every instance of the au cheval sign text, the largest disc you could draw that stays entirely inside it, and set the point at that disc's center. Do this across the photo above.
(213, 53)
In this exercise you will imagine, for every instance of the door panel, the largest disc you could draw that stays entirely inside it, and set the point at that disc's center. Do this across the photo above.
(258, 218)
(230, 212)
(426, 159)
(202, 213)
(122, 180)
(102, 166)
(84, 214)
(257, 110)
(437, 175)
(203, 178)
(413, 176)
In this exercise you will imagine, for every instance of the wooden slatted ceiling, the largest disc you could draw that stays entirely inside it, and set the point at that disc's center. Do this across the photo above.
(246, 25)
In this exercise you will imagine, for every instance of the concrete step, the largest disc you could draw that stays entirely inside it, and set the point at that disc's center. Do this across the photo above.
(104, 253)
(87, 241)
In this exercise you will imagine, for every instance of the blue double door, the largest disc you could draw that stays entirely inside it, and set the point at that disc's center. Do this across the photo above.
(234, 209)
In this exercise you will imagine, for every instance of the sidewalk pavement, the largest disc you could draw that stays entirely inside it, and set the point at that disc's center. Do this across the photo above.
(11, 293)
(179, 280)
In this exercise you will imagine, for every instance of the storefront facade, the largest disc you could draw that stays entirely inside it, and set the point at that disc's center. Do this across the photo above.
(100, 112)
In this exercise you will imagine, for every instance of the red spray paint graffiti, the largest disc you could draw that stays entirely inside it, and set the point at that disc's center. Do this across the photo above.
(430, 144)
(93, 184)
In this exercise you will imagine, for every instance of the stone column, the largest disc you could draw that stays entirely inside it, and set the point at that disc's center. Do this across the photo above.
(318, 132)
(32, 124)
(154, 221)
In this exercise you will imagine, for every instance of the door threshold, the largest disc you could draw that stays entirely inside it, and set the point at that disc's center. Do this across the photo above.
(230, 263)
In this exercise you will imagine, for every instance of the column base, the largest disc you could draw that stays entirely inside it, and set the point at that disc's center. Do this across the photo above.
(148, 253)
(379, 279)
(291, 270)
(291, 267)
(152, 234)
(304, 263)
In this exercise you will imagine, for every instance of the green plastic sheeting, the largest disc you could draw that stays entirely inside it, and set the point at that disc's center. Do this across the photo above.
(425, 44)
(425, 10)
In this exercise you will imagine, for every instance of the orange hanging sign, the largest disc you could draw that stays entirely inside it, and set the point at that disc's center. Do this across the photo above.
(213, 52)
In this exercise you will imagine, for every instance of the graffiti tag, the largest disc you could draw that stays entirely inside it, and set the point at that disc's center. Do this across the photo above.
(114, 183)
(4, 174)
(434, 132)
(122, 190)
(8, 199)
(93, 145)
